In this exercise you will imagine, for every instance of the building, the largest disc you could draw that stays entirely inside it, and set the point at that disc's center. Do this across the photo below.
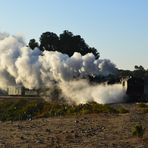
(15, 90)
(21, 91)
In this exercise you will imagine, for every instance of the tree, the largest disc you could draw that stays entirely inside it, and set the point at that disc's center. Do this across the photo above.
(139, 71)
(70, 43)
(79, 44)
(49, 41)
(66, 43)
(139, 68)
(95, 52)
(32, 44)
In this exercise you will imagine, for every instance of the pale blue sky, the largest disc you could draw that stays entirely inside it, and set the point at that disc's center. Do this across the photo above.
(117, 28)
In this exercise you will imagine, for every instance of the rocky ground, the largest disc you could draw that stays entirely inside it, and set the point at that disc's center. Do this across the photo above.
(89, 131)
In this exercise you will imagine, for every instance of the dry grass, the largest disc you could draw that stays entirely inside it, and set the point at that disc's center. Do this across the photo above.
(88, 129)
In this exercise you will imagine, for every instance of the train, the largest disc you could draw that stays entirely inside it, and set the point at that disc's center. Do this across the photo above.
(135, 89)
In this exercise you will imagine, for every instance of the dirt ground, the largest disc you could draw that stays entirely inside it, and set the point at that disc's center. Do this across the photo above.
(89, 131)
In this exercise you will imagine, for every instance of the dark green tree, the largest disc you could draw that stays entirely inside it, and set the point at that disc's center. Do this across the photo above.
(79, 45)
(139, 68)
(139, 71)
(32, 44)
(49, 41)
(66, 43)
(95, 52)
(70, 43)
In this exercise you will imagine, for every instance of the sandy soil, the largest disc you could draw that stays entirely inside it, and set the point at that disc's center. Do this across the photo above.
(89, 131)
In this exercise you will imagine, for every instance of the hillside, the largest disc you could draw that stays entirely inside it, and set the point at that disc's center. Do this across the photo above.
(82, 130)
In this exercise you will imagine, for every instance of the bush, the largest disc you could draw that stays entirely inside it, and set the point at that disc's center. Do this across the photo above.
(24, 109)
(138, 131)
(145, 110)
(93, 107)
(122, 110)
(19, 109)
(143, 107)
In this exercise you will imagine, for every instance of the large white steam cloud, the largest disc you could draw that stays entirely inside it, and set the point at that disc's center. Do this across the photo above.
(33, 69)
(102, 93)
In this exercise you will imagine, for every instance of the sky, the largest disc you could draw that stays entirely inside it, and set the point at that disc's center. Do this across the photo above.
(118, 29)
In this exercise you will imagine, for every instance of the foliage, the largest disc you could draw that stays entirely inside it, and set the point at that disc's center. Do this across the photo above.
(138, 72)
(49, 41)
(145, 110)
(143, 107)
(124, 73)
(27, 109)
(32, 43)
(139, 68)
(19, 110)
(122, 110)
(65, 43)
(138, 131)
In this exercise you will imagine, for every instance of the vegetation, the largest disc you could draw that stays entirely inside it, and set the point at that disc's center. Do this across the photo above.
(32, 44)
(138, 131)
(65, 43)
(27, 109)
(68, 43)
(122, 110)
(143, 107)
(139, 71)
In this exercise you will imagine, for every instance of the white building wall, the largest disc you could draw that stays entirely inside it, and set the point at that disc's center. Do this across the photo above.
(14, 90)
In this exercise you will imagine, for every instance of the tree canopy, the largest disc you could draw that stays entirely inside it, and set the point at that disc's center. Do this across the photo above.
(66, 43)
(32, 43)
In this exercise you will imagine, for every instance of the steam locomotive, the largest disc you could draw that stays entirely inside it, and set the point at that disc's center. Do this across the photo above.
(135, 89)
(135, 86)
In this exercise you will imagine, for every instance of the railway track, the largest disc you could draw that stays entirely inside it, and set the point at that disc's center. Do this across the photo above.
(20, 97)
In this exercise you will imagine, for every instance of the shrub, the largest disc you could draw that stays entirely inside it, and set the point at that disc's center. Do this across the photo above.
(122, 110)
(138, 131)
(24, 109)
(143, 107)
(145, 110)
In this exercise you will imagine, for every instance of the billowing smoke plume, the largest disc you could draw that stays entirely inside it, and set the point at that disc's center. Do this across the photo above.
(33, 69)
(102, 93)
